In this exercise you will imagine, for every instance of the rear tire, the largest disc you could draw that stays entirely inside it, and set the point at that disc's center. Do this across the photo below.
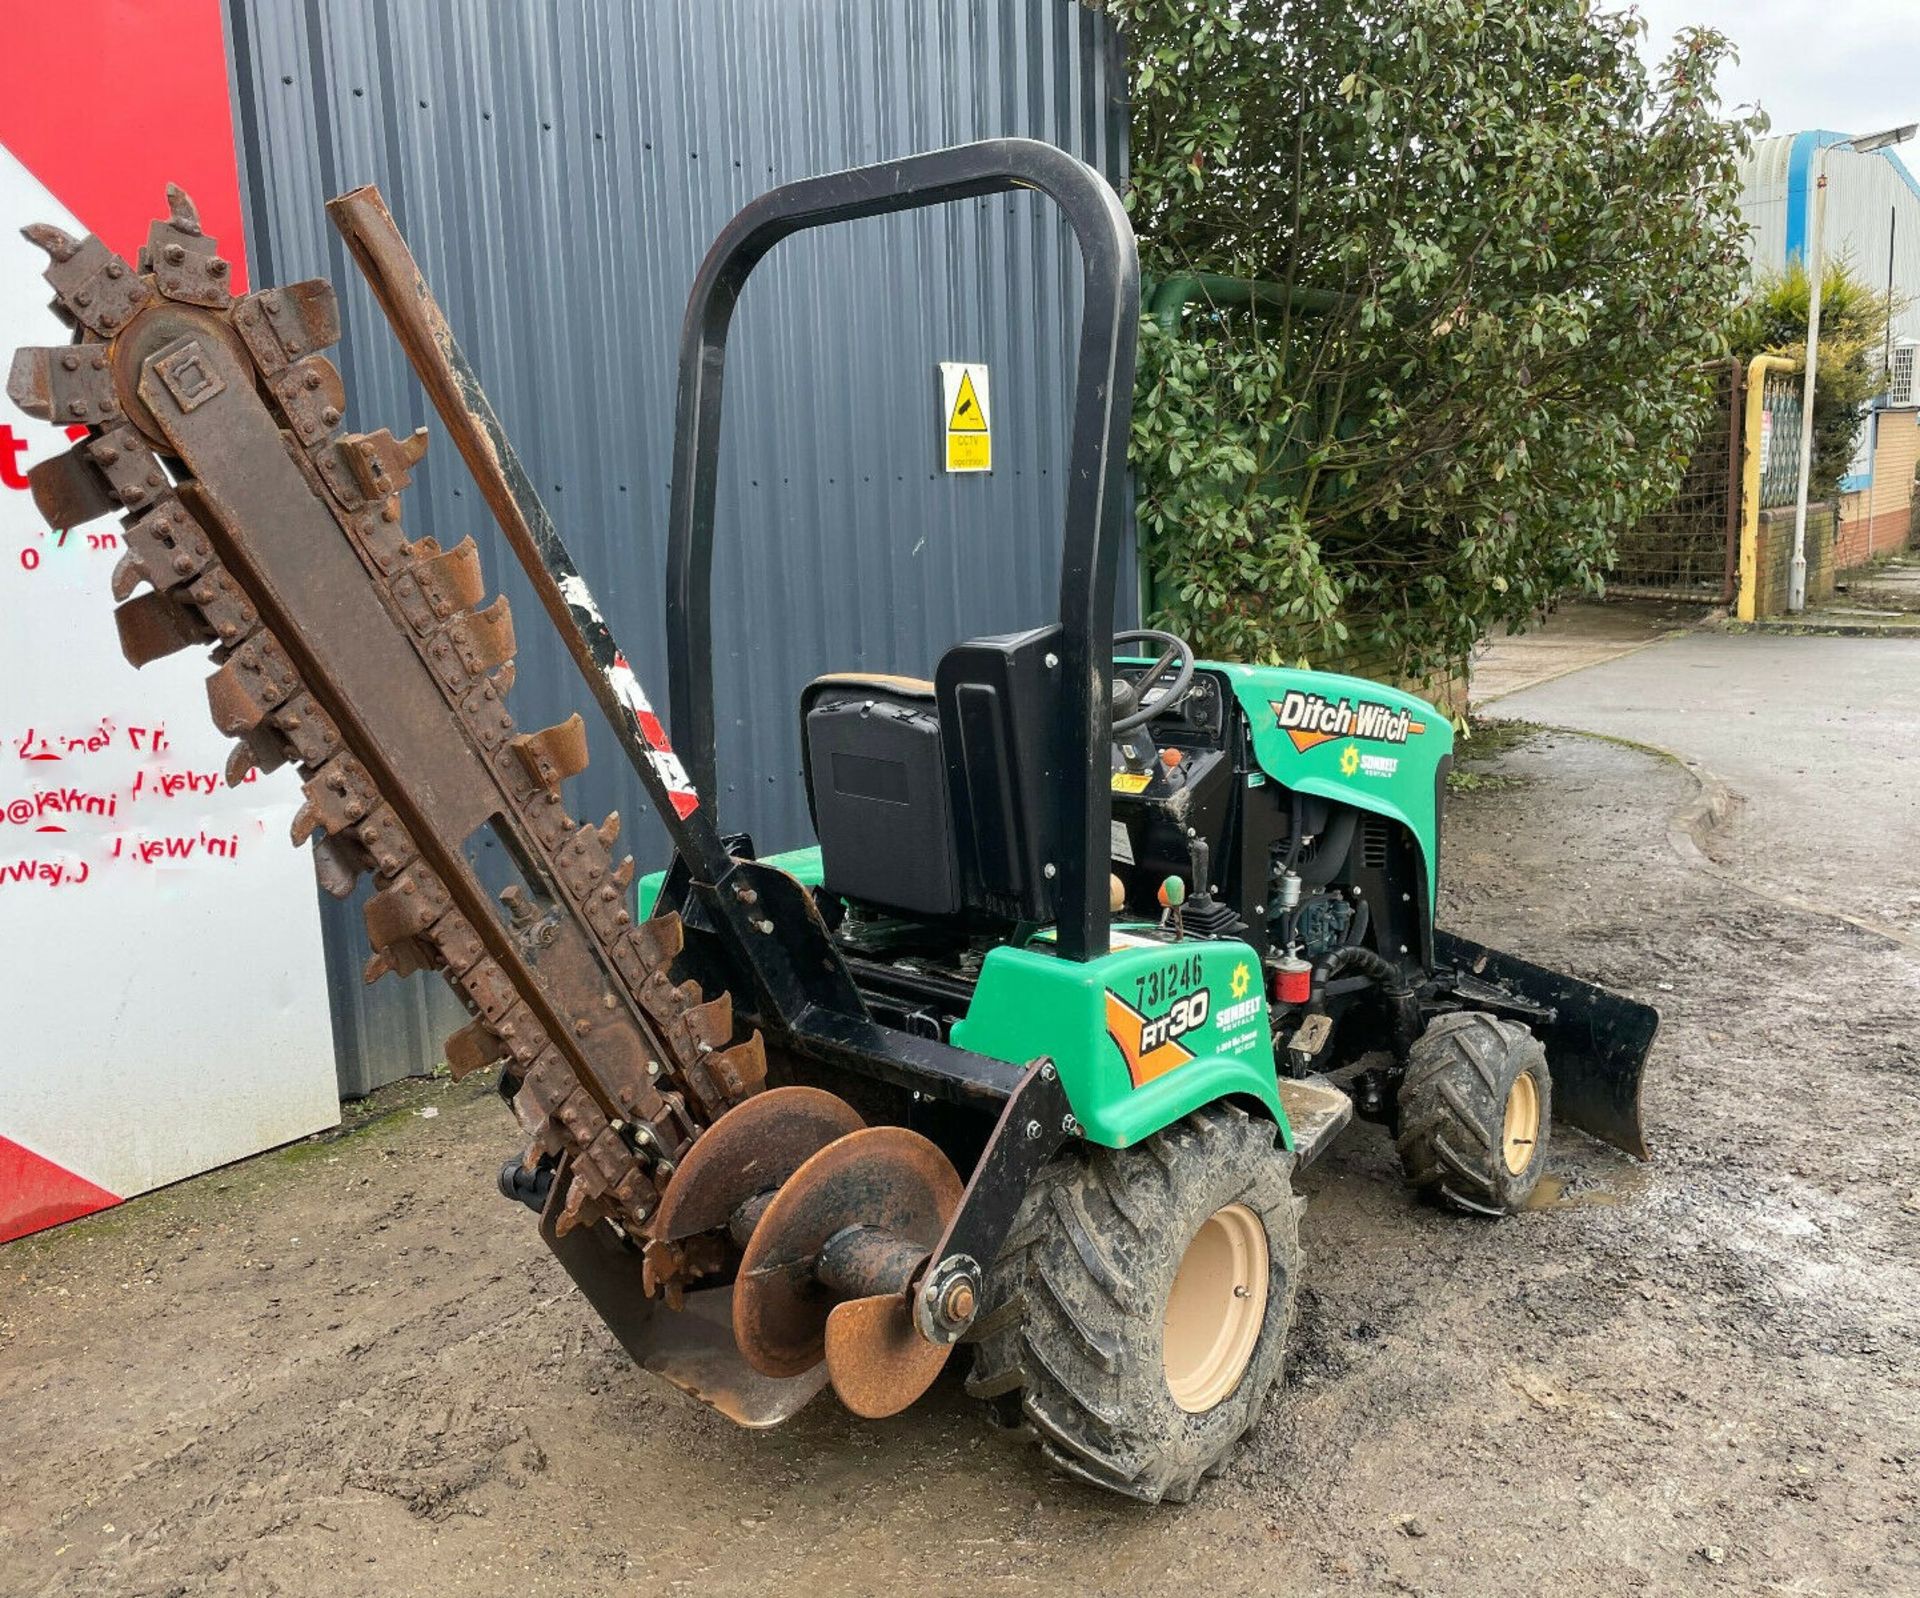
(1475, 1112)
(1137, 1317)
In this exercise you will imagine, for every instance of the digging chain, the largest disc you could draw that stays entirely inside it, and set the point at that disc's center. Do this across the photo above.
(604, 1056)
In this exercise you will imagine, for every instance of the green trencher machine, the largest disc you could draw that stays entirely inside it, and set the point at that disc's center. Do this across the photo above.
(1098, 945)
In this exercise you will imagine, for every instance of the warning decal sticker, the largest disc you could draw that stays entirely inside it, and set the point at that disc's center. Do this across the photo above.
(967, 421)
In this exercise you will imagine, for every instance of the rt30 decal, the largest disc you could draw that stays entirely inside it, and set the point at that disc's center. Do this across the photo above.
(1152, 1047)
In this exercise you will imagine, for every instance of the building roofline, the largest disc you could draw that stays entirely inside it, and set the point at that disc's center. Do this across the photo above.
(1800, 183)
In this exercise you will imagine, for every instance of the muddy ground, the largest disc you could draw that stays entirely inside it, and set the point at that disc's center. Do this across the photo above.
(351, 1369)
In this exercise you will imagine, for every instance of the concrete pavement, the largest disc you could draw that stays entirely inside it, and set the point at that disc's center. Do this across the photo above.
(1575, 636)
(1817, 737)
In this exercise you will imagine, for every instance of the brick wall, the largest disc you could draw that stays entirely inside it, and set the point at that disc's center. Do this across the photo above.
(1889, 502)
(1774, 554)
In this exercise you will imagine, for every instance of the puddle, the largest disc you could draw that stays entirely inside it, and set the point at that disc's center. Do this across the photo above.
(1606, 1188)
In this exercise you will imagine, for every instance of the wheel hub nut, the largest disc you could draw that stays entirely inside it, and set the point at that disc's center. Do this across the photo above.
(957, 1306)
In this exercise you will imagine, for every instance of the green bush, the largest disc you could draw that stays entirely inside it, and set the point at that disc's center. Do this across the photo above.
(1534, 245)
(1853, 331)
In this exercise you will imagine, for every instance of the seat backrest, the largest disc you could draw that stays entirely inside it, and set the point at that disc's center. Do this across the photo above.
(999, 703)
(880, 793)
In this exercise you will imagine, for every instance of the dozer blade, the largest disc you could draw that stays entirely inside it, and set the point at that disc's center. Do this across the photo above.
(1596, 1041)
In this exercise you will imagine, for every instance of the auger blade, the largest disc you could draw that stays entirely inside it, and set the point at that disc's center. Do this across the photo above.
(876, 1360)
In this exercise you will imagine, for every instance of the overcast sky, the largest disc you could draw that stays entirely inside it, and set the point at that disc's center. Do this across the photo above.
(1851, 65)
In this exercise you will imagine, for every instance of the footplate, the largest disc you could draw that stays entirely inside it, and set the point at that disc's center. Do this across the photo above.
(1317, 1111)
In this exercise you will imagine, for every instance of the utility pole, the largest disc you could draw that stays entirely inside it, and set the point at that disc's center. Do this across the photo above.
(1816, 269)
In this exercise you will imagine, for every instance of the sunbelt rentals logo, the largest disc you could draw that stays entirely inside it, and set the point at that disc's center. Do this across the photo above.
(1311, 720)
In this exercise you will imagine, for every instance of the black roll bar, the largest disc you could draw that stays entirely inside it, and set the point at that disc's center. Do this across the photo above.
(1102, 410)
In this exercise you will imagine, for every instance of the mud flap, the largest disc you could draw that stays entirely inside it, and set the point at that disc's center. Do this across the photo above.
(1596, 1041)
(693, 1346)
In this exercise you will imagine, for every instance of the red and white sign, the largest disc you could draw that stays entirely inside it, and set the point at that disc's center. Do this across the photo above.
(160, 957)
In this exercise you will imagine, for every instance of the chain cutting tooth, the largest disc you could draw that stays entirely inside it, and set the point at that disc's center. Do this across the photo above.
(133, 472)
(554, 753)
(253, 681)
(59, 244)
(312, 397)
(473, 1048)
(283, 324)
(94, 286)
(182, 214)
(228, 612)
(406, 907)
(363, 467)
(182, 259)
(256, 752)
(483, 639)
(710, 1024)
(385, 840)
(311, 737)
(69, 489)
(338, 794)
(152, 626)
(69, 385)
(446, 582)
(742, 1069)
(165, 547)
(337, 866)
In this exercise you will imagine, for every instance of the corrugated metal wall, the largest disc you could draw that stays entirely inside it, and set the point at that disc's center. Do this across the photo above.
(559, 169)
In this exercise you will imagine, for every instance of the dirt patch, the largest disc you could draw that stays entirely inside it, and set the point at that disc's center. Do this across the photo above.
(351, 1369)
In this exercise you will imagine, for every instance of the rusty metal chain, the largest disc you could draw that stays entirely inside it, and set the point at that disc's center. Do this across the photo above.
(605, 1056)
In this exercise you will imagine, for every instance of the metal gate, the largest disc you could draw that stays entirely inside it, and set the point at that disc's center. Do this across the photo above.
(1689, 548)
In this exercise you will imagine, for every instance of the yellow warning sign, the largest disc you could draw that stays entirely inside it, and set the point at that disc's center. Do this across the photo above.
(968, 422)
(967, 416)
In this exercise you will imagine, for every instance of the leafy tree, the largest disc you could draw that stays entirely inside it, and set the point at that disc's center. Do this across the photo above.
(1531, 246)
(1853, 328)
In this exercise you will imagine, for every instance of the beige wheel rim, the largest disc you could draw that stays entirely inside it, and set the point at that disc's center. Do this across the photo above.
(1216, 1309)
(1521, 1135)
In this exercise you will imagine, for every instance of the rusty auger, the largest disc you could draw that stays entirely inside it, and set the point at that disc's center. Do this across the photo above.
(370, 662)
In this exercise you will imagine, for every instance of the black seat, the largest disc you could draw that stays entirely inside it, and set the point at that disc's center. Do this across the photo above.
(877, 786)
(933, 800)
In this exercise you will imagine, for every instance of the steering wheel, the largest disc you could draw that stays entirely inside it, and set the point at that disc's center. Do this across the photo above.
(1129, 712)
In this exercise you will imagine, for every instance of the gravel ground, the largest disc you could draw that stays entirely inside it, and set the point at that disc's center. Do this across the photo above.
(348, 1368)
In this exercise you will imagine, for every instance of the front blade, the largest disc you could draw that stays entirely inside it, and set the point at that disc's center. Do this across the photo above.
(1596, 1045)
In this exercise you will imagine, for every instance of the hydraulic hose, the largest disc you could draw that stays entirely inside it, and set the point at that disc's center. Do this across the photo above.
(1390, 984)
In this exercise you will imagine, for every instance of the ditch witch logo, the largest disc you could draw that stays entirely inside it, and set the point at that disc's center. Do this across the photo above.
(1310, 720)
(1152, 1048)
